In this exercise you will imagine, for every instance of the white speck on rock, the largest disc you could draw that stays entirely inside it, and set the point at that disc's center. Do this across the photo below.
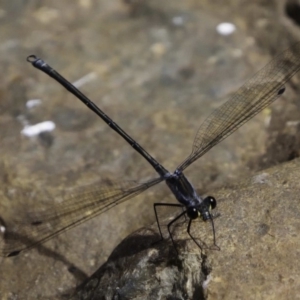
(178, 20)
(226, 28)
(33, 130)
(261, 178)
(206, 282)
(2, 229)
(33, 102)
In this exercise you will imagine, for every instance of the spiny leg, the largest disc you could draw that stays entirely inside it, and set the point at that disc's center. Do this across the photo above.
(214, 232)
(169, 225)
(189, 233)
(155, 211)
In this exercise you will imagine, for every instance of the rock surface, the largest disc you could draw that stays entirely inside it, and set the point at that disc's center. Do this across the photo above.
(257, 231)
(158, 69)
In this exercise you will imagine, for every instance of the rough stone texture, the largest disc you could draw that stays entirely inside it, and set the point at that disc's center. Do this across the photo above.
(142, 268)
(257, 231)
(159, 81)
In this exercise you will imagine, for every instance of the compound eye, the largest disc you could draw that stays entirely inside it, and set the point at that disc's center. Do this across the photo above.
(212, 201)
(192, 213)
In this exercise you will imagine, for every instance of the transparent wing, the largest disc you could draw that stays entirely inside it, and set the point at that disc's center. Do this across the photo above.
(257, 93)
(41, 225)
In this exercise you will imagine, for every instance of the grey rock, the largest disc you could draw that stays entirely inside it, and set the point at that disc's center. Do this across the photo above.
(257, 231)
